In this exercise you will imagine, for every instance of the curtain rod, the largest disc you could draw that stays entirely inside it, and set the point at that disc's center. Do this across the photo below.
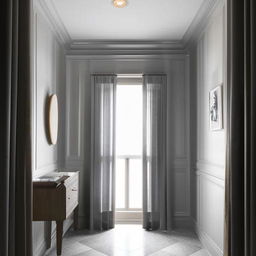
(129, 75)
(152, 74)
(140, 75)
(103, 74)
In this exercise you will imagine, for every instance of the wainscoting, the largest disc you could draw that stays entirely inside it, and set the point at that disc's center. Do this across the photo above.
(210, 207)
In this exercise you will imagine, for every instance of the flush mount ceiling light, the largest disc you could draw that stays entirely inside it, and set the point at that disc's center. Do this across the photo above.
(119, 3)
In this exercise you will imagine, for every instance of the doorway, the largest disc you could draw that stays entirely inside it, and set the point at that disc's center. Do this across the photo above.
(128, 177)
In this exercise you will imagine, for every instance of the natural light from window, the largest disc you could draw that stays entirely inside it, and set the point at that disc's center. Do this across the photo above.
(129, 147)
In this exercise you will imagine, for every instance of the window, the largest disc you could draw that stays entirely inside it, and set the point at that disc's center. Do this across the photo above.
(129, 151)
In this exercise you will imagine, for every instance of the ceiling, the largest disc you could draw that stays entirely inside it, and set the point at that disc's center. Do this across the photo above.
(140, 20)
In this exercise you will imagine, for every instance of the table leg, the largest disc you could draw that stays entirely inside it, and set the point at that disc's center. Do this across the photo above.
(48, 233)
(59, 236)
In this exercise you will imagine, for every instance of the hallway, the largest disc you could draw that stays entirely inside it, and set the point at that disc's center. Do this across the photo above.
(130, 240)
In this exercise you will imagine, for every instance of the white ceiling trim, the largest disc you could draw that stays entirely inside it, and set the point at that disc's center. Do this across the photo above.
(133, 44)
(49, 11)
(200, 21)
(125, 47)
(124, 57)
(138, 52)
(79, 47)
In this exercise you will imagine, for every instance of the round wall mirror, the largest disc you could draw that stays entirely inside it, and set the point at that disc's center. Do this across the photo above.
(53, 119)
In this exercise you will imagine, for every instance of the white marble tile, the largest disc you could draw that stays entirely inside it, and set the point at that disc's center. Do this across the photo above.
(89, 253)
(191, 241)
(69, 249)
(160, 253)
(74, 248)
(201, 252)
(130, 240)
(181, 249)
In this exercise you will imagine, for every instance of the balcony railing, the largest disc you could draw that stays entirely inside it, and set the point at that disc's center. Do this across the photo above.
(129, 183)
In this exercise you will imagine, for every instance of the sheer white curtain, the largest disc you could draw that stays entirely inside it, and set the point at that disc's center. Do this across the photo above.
(156, 196)
(103, 151)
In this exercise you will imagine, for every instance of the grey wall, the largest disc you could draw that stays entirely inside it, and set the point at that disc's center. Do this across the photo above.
(79, 69)
(208, 147)
(49, 78)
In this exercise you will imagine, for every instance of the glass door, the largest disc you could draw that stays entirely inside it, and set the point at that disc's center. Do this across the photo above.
(128, 183)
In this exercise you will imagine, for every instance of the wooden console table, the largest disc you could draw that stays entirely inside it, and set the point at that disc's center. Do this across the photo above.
(55, 197)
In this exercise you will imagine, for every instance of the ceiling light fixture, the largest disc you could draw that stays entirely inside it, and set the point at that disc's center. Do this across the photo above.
(119, 3)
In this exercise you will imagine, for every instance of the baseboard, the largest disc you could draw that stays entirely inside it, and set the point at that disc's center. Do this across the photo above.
(207, 242)
(42, 248)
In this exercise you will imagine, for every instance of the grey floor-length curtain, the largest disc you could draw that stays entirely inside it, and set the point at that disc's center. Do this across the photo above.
(156, 192)
(15, 129)
(103, 152)
(240, 216)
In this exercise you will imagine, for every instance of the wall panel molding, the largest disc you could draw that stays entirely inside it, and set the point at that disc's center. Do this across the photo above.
(74, 148)
(215, 180)
(183, 222)
(209, 183)
(68, 103)
(211, 169)
(180, 163)
(181, 193)
(74, 164)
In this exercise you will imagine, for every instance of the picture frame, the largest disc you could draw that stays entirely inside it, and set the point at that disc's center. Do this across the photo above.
(216, 108)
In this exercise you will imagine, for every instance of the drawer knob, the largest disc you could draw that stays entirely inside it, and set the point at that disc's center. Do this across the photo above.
(74, 189)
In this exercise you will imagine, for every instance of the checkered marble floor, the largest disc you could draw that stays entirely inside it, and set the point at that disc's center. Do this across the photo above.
(130, 240)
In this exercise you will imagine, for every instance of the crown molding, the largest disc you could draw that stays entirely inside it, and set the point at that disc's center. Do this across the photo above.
(81, 47)
(126, 44)
(200, 21)
(48, 10)
(127, 57)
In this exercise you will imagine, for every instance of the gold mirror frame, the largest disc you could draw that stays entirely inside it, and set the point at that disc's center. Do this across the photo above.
(53, 116)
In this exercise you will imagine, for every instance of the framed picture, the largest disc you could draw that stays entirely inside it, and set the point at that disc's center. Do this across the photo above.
(215, 108)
